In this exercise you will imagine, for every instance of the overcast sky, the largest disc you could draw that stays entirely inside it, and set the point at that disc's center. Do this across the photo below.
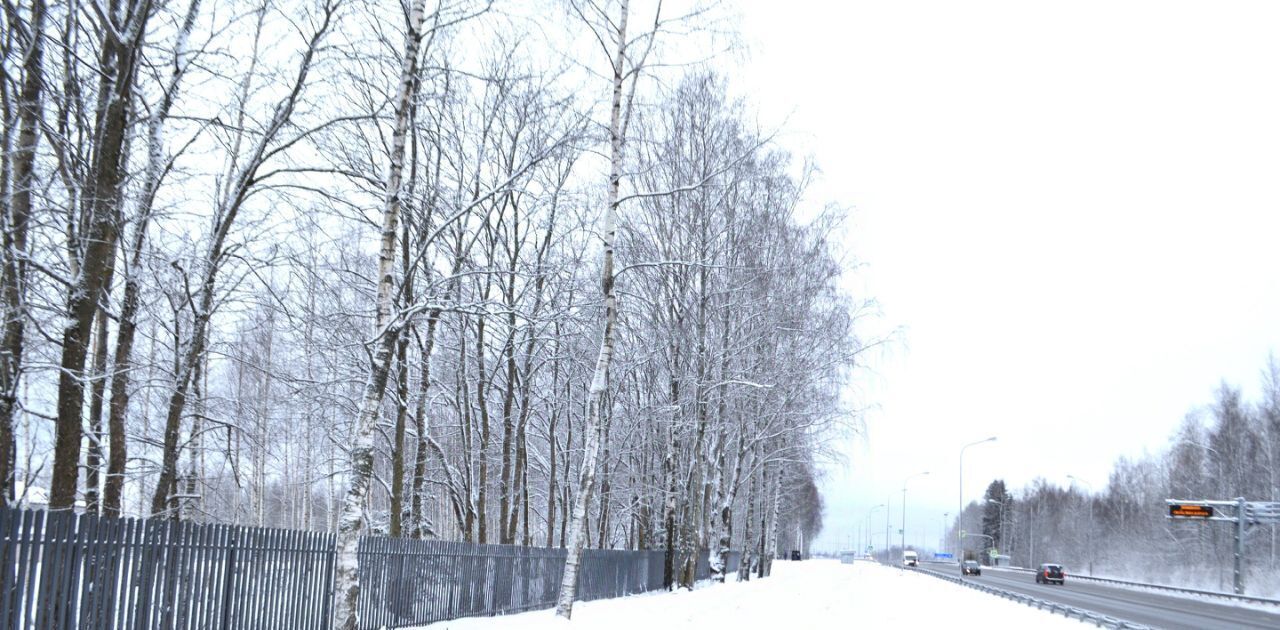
(1069, 210)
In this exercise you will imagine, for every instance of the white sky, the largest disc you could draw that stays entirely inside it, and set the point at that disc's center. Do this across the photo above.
(1068, 208)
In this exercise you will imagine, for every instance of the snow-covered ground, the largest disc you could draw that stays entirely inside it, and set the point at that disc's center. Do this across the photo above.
(799, 595)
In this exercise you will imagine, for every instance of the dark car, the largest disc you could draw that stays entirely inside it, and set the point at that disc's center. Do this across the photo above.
(1051, 574)
(970, 567)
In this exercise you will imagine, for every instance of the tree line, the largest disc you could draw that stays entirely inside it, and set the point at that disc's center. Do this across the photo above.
(415, 270)
(1221, 451)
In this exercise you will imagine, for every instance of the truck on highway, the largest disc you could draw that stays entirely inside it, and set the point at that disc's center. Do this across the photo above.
(910, 558)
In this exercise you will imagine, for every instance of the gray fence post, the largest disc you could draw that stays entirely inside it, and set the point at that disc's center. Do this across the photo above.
(228, 580)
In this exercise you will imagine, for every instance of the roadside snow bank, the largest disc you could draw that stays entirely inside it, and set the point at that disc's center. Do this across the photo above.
(811, 594)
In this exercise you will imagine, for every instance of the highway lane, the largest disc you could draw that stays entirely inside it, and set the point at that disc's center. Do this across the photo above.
(1148, 608)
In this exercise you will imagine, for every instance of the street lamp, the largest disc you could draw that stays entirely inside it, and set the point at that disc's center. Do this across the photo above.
(960, 514)
(993, 540)
(967, 534)
(942, 540)
(1091, 525)
(869, 513)
(904, 507)
(1032, 511)
(888, 542)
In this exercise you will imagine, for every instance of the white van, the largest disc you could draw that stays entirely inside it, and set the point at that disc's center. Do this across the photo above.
(910, 558)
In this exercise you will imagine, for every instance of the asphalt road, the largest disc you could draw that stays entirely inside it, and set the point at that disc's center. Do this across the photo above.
(1144, 607)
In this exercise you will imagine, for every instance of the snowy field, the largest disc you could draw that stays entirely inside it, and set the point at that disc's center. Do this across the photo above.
(800, 595)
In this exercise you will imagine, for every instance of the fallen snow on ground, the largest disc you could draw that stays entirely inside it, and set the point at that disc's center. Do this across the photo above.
(799, 595)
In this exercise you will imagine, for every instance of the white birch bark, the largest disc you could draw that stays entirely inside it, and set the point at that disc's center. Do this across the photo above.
(599, 378)
(352, 521)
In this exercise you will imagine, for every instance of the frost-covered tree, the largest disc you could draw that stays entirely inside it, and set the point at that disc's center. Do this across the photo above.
(338, 266)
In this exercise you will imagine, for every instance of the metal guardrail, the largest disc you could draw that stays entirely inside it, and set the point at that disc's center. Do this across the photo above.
(1098, 619)
(1160, 587)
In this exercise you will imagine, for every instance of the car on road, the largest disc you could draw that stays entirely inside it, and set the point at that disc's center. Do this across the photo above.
(910, 558)
(970, 567)
(1050, 573)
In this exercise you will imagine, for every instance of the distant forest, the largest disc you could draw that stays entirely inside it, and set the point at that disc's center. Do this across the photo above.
(1221, 451)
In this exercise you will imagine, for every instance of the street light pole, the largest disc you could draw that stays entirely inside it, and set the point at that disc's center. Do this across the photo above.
(942, 540)
(904, 507)
(869, 513)
(993, 540)
(887, 543)
(1090, 487)
(1031, 535)
(993, 543)
(960, 514)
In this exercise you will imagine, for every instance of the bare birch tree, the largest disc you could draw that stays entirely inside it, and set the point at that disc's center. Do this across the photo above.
(243, 178)
(618, 119)
(386, 334)
(244, 384)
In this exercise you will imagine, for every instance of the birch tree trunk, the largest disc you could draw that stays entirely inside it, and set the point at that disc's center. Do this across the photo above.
(482, 406)
(599, 377)
(552, 467)
(97, 391)
(346, 579)
(748, 546)
(396, 526)
(421, 525)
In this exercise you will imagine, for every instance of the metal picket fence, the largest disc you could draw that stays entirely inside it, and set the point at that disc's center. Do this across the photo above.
(60, 570)
(64, 570)
(410, 582)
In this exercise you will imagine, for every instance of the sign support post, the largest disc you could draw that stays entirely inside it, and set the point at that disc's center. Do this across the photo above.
(1240, 525)
(1246, 513)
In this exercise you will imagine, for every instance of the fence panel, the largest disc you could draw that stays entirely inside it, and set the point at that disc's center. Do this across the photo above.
(702, 565)
(408, 582)
(611, 573)
(60, 570)
(734, 563)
